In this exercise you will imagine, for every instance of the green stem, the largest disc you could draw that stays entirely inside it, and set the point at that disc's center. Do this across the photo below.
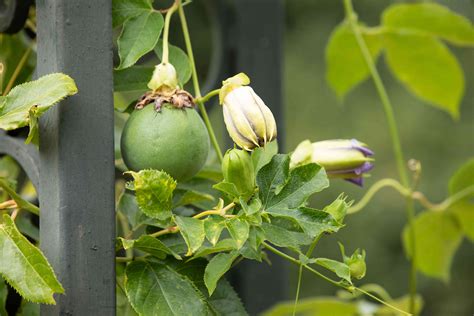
(125, 230)
(166, 31)
(197, 90)
(338, 284)
(300, 270)
(18, 68)
(394, 134)
(208, 96)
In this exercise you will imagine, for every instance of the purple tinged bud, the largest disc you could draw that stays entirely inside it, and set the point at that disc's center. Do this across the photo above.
(345, 159)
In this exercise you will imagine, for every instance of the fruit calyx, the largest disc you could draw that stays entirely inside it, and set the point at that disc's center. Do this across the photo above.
(178, 98)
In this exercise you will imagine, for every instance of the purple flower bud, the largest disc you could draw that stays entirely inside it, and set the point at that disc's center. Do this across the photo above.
(346, 159)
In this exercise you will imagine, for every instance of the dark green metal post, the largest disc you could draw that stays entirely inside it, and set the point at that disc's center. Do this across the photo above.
(77, 156)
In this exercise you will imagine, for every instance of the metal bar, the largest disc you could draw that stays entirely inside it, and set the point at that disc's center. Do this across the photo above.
(259, 53)
(77, 226)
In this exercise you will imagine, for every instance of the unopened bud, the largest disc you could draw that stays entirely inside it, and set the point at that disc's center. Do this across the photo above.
(341, 158)
(237, 168)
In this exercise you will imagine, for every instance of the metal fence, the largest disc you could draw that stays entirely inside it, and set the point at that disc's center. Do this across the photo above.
(74, 170)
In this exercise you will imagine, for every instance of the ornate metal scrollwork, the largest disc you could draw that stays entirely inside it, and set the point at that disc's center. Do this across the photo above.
(13, 15)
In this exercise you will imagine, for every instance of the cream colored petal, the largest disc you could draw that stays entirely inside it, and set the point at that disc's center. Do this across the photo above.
(236, 136)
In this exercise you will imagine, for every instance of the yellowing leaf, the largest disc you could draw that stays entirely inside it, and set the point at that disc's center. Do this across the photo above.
(427, 68)
(431, 19)
(346, 67)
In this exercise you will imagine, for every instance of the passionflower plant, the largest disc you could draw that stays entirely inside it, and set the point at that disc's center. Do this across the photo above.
(164, 76)
(248, 120)
(341, 158)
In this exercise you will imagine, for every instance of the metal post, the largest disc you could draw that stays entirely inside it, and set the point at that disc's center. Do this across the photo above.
(77, 156)
(259, 33)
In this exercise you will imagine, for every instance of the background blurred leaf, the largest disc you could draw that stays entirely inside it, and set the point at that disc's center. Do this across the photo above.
(139, 36)
(427, 68)
(133, 78)
(438, 236)
(345, 65)
(431, 19)
(463, 179)
(320, 306)
(3, 297)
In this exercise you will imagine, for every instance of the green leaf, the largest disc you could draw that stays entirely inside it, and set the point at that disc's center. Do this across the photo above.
(437, 238)
(179, 59)
(272, 177)
(343, 53)
(313, 222)
(431, 19)
(251, 249)
(461, 182)
(134, 78)
(192, 230)
(24, 266)
(251, 208)
(283, 237)
(315, 307)
(149, 245)
(302, 182)
(22, 203)
(24, 224)
(192, 198)
(222, 246)
(263, 155)
(224, 301)
(13, 48)
(228, 188)
(339, 268)
(154, 192)
(3, 297)
(139, 36)
(402, 303)
(28, 309)
(427, 68)
(123, 10)
(216, 268)
(239, 230)
(155, 289)
(39, 95)
(213, 226)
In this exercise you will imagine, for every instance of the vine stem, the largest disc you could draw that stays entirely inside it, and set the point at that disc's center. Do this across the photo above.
(208, 96)
(394, 134)
(18, 68)
(300, 271)
(166, 32)
(349, 288)
(197, 89)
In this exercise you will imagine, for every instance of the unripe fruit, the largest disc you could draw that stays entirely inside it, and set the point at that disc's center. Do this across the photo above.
(237, 168)
(174, 140)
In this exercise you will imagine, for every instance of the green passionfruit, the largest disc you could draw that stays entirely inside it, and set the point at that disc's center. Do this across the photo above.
(171, 139)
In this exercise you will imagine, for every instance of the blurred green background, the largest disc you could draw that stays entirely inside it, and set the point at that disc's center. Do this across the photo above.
(312, 111)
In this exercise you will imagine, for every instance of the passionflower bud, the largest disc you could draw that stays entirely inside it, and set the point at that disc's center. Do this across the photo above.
(164, 77)
(341, 158)
(249, 121)
(237, 168)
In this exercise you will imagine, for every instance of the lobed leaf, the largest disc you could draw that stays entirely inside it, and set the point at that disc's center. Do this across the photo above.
(154, 192)
(430, 19)
(427, 68)
(25, 267)
(139, 36)
(156, 289)
(239, 231)
(222, 246)
(346, 66)
(283, 237)
(217, 267)
(28, 101)
(263, 155)
(438, 236)
(213, 226)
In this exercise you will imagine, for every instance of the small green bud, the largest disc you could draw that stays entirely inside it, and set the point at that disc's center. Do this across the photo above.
(164, 77)
(237, 168)
(356, 264)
